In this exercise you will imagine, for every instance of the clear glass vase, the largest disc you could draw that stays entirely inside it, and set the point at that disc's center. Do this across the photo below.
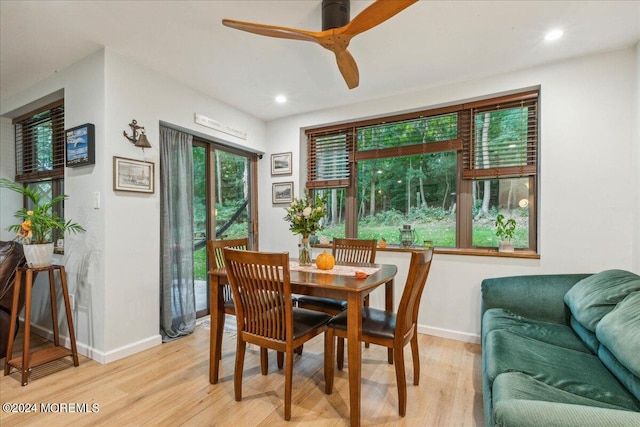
(304, 257)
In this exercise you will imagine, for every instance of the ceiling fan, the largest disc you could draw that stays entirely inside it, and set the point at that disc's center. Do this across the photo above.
(337, 30)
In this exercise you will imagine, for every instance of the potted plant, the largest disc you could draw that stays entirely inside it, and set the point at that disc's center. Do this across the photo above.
(505, 231)
(38, 224)
(304, 216)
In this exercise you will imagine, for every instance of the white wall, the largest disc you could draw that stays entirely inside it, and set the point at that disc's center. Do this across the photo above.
(587, 199)
(113, 269)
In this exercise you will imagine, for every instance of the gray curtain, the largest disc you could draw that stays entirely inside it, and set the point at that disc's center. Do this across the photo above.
(177, 296)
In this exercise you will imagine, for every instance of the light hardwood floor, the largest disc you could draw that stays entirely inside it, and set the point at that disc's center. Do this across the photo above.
(169, 386)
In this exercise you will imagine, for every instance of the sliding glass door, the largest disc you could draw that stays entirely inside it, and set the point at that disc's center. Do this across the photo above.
(224, 205)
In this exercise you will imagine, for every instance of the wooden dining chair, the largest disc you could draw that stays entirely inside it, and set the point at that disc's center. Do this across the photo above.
(392, 330)
(344, 251)
(216, 260)
(265, 314)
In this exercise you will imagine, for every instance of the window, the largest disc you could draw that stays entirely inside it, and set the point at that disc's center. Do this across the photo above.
(329, 162)
(447, 172)
(39, 140)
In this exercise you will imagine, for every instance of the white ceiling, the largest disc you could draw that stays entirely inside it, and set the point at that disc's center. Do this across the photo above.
(431, 43)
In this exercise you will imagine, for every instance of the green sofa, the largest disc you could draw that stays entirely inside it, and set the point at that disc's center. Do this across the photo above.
(561, 350)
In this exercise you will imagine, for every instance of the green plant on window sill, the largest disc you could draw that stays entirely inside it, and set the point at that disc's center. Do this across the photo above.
(505, 231)
(38, 223)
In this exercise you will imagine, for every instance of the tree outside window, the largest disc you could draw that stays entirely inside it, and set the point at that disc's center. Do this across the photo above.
(446, 172)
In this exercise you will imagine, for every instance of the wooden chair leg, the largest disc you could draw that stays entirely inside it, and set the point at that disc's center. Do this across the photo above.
(288, 378)
(222, 319)
(329, 341)
(416, 359)
(366, 304)
(340, 353)
(280, 358)
(237, 376)
(264, 361)
(401, 379)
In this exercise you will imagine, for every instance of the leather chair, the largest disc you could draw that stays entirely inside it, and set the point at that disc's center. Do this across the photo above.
(344, 251)
(11, 257)
(391, 330)
(265, 314)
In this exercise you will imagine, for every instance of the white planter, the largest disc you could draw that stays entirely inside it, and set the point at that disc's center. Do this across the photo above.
(505, 246)
(40, 255)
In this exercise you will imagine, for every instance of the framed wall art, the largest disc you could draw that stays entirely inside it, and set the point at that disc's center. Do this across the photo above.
(281, 164)
(133, 175)
(79, 145)
(282, 192)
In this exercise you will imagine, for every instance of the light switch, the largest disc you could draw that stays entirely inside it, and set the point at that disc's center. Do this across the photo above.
(96, 200)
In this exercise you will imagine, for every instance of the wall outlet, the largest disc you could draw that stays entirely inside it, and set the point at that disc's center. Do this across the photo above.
(72, 301)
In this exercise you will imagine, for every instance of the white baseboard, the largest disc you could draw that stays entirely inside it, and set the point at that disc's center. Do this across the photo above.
(129, 349)
(92, 353)
(450, 334)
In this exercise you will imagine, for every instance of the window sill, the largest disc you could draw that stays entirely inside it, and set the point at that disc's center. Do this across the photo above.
(491, 252)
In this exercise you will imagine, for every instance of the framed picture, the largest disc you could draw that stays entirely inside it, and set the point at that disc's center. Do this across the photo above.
(282, 192)
(79, 145)
(281, 164)
(133, 175)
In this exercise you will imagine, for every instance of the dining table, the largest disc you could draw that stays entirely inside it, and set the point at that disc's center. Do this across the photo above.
(339, 283)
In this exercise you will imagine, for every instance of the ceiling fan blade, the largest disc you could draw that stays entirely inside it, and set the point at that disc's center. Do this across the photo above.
(272, 30)
(348, 67)
(376, 14)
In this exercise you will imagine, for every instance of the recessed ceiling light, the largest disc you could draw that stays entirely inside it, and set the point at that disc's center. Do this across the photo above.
(281, 99)
(553, 35)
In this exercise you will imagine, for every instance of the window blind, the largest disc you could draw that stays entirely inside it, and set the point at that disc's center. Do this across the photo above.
(501, 140)
(39, 140)
(329, 158)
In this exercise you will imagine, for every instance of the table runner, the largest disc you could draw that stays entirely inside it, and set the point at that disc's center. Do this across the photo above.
(338, 270)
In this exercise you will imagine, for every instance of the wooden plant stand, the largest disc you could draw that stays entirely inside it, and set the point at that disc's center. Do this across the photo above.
(28, 360)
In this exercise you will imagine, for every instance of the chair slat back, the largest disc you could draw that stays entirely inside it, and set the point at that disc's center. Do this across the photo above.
(354, 250)
(214, 250)
(419, 268)
(261, 288)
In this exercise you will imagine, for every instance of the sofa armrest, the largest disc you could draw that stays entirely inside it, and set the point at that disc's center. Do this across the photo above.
(534, 413)
(539, 297)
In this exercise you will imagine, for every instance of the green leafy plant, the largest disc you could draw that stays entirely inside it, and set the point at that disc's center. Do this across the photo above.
(505, 229)
(304, 215)
(38, 223)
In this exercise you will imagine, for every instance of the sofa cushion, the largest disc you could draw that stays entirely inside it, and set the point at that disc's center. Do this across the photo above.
(517, 385)
(534, 413)
(619, 331)
(625, 376)
(552, 333)
(593, 297)
(589, 338)
(572, 371)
